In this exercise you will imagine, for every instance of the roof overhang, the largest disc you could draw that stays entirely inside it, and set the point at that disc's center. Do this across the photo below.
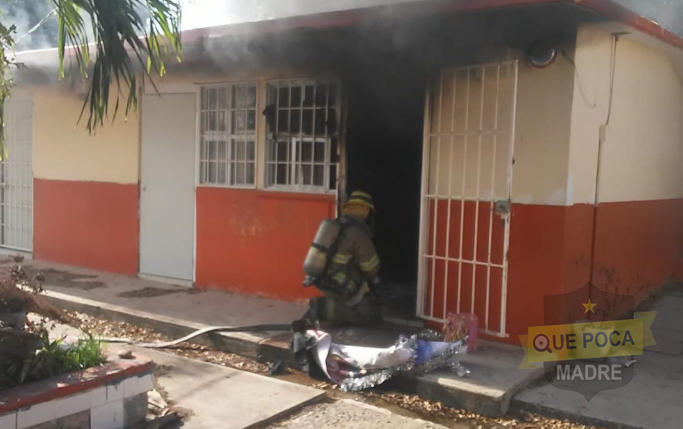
(607, 8)
(606, 11)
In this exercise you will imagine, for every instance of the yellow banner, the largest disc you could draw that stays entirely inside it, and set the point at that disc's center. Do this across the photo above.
(588, 340)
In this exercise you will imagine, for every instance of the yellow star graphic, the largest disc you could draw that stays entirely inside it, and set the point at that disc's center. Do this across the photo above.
(589, 306)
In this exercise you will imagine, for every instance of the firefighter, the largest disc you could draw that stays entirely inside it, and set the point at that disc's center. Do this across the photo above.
(353, 269)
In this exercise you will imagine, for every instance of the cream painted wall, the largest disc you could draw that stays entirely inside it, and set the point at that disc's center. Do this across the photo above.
(642, 155)
(544, 106)
(589, 110)
(541, 146)
(63, 148)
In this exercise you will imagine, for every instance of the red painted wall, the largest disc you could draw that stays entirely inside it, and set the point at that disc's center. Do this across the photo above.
(255, 241)
(87, 224)
(638, 249)
(639, 245)
(549, 254)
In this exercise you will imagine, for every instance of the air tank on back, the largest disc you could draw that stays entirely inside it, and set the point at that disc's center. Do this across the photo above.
(316, 259)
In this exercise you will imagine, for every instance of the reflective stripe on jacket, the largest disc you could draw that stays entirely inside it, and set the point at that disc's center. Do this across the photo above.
(356, 261)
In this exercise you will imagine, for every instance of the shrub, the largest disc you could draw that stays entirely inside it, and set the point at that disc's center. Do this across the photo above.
(54, 358)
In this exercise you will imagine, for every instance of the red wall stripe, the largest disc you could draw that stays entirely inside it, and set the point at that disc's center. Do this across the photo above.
(639, 245)
(87, 224)
(256, 241)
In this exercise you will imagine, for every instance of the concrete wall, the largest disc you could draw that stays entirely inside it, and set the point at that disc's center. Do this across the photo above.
(540, 188)
(85, 186)
(253, 240)
(639, 232)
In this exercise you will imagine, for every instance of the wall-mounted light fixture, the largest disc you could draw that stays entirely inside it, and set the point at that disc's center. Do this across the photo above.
(542, 54)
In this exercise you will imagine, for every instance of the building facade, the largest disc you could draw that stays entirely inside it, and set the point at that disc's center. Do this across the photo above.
(497, 182)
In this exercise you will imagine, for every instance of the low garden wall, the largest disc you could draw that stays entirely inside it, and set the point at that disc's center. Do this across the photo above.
(110, 396)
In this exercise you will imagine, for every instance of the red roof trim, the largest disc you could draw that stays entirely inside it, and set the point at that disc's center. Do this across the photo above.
(628, 17)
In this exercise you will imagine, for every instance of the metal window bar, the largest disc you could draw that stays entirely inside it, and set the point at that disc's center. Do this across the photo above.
(297, 176)
(220, 102)
(16, 190)
(432, 198)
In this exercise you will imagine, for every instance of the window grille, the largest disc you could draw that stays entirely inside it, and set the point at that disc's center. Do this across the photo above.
(228, 136)
(302, 138)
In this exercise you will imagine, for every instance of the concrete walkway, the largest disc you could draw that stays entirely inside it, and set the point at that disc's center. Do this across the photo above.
(177, 311)
(213, 396)
(652, 400)
(220, 397)
(351, 414)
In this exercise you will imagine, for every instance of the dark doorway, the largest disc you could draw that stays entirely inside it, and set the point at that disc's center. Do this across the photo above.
(384, 157)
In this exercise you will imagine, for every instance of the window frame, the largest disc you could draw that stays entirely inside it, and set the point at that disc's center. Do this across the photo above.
(294, 139)
(228, 138)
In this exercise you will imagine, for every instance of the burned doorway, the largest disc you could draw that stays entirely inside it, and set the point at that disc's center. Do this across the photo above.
(384, 128)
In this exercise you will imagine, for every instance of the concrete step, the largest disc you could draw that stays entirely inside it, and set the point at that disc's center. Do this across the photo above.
(495, 374)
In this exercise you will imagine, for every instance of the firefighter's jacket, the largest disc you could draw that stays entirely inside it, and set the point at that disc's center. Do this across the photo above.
(355, 264)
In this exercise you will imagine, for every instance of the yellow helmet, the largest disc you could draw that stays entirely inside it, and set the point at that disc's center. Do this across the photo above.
(361, 198)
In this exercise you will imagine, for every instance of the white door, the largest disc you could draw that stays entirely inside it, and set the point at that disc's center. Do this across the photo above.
(167, 186)
(467, 178)
(16, 176)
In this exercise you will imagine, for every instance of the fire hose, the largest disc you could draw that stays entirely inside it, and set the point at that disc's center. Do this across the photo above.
(255, 328)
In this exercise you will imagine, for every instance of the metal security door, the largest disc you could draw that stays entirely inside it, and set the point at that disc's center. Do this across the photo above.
(16, 176)
(168, 183)
(466, 187)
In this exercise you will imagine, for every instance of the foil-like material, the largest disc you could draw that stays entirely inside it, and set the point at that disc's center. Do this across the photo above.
(430, 335)
(367, 381)
(450, 360)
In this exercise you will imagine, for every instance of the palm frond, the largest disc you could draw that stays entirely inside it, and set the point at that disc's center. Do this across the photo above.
(123, 42)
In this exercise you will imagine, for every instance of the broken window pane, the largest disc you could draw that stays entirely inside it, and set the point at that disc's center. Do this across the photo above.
(321, 96)
(296, 122)
(333, 176)
(332, 121)
(334, 151)
(283, 97)
(282, 121)
(296, 96)
(282, 151)
(320, 121)
(309, 96)
(308, 122)
(281, 178)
